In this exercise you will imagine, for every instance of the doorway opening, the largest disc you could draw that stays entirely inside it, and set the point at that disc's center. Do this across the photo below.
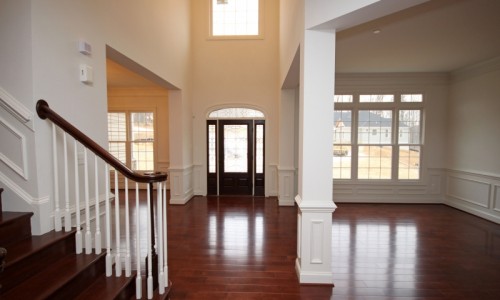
(235, 152)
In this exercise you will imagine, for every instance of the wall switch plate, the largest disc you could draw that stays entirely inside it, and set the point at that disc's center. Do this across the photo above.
(86, 74)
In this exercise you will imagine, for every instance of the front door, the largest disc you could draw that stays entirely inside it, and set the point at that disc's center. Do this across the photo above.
(235, 157)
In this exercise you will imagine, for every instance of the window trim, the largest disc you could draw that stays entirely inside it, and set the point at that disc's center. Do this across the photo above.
(259, 36)
(355, 106)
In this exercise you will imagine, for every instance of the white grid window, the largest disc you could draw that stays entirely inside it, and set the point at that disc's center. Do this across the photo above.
(378, 137)
(235, 18)
(131, 139)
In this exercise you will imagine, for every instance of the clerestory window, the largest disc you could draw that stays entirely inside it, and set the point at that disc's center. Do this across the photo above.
(235, 19)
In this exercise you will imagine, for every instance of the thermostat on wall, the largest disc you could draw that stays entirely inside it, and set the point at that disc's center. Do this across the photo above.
(84, 47)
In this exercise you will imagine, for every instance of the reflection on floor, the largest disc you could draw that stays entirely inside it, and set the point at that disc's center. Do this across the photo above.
(245, 248)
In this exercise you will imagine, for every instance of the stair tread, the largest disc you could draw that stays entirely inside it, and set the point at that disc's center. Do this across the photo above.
(8, 216)
(49, 280)
(19, 250)
(108, 287)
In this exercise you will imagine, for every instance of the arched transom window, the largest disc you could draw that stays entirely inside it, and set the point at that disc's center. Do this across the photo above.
(236, 113)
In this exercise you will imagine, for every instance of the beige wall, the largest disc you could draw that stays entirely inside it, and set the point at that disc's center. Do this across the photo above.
(235, 73)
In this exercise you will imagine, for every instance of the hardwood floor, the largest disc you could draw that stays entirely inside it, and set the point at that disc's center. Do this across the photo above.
(244, 248)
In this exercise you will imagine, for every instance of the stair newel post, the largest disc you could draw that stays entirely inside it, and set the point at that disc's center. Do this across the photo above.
(118, 260)
(109, 257)
(159, 240)
(67, 213)
(57, 211)
(97, 235)
(138, 278)
(165, 264)
(78, 235)
(149, 263)
(128, 268)
(88, 234)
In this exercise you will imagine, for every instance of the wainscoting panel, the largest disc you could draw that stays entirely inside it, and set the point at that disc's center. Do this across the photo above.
(470, 190)
(475, 193)
(271, 181)
(317, 228)
(383, 193)
(286, 177)
(496, 198)
(13, 150)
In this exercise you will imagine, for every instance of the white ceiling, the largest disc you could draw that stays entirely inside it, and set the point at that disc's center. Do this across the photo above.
(437, 36)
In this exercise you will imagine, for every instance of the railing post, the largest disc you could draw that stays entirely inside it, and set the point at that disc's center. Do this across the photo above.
(152, 250)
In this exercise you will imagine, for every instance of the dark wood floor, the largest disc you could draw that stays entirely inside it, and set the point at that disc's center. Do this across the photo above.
(244, 248)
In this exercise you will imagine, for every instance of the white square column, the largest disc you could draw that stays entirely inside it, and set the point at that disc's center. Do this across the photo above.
(314, 197)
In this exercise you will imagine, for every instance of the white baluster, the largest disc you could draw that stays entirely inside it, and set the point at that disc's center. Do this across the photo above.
(165, 264)
(67, 215)
(118, 259)
(159, 239)
(150, 262)
(78, 236)
(128, 268)
(97, 236)
(57, 211)
(109, 257)
(138, 278)
(88, 235)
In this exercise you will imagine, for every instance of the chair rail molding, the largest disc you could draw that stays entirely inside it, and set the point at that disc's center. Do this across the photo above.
(16, 108)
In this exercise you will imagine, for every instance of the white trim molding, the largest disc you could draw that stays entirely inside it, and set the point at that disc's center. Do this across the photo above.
(286, 185)
(181, 184)
(314, 241)
(16, 108)
(474, 192)
(271, 188)
(20, 167)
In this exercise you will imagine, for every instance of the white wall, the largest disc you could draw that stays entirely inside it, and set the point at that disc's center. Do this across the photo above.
(43, 61)
(18, 165)
(473, 146)
(238, 73)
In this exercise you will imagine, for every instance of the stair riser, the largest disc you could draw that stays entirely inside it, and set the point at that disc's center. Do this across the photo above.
(79, 283)
(15, 230)
(17, 272)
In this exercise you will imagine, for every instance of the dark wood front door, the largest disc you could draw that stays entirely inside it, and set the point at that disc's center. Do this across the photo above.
(235, 157)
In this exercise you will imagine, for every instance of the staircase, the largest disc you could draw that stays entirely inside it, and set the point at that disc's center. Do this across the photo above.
(46, 266)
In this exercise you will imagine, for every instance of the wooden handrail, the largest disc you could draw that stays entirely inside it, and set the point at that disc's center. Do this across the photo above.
(45, 112)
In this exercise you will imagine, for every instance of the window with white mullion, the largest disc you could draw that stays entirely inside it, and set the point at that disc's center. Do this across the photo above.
(386, 138)
(409, 143)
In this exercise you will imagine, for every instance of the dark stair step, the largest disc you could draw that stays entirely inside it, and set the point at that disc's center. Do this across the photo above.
(29, 256)
(64, 279)
(14, 226)
(1, 191)
(104, 288)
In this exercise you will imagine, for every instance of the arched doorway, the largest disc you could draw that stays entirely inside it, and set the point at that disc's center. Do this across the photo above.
(235, 152)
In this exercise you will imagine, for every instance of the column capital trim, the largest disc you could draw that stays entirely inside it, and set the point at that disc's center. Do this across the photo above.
(314, 205)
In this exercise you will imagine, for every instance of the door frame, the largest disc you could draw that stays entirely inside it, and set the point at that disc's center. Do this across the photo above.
(213, 178)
